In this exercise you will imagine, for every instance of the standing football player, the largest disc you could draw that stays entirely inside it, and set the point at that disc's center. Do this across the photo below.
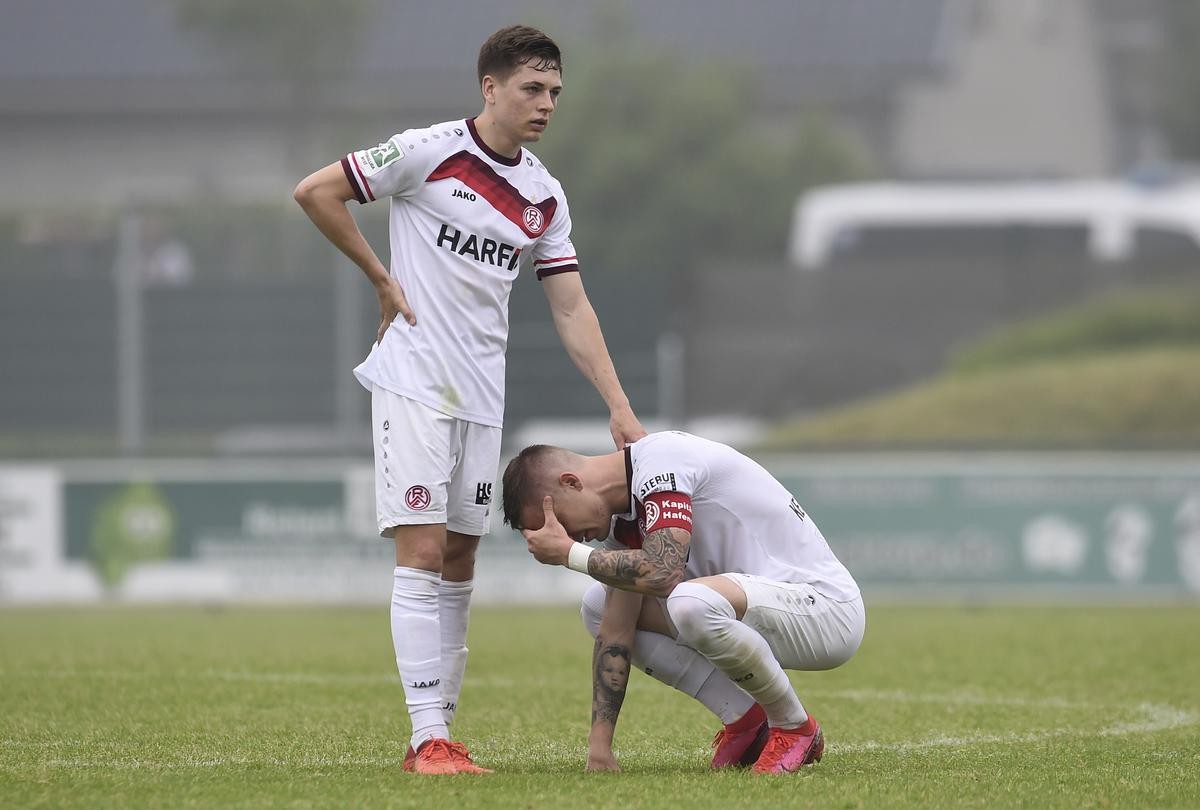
(469, 207)
(722, 584)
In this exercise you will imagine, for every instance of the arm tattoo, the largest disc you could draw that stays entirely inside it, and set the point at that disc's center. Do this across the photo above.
(656, 568)
(610, 676)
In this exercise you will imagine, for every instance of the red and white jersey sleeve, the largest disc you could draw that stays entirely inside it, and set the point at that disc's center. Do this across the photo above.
(741, 519)
(554, 253)
(663, 484)
(385, 170)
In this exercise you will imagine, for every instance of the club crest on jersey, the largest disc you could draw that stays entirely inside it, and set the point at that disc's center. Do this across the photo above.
(651, 516)
(534, 220)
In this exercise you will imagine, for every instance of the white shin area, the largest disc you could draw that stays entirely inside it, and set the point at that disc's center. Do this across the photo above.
(416, 637)
(706, 622)
(454, 602)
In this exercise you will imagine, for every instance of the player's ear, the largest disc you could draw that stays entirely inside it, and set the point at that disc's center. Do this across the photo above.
(488, 88)
(571, 480)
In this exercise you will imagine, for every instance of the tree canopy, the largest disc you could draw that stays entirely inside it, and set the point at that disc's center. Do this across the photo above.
(666, 159)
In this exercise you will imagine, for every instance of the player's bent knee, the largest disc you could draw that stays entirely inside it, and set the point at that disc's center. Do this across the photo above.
(697, 610)
(592, 609)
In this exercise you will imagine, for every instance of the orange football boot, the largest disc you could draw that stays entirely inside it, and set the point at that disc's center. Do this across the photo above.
(438, 756)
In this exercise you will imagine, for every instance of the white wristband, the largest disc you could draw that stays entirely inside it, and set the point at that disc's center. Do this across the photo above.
(577, 557)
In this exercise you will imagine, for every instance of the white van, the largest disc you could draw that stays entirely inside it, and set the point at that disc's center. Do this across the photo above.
(1108, 212)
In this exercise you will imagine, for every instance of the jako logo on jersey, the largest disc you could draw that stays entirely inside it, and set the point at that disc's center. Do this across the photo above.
(466, 195)
(534, 220)
(483, 494)
(500, 254)
(473, 172)
(656, 482)
(417, 498)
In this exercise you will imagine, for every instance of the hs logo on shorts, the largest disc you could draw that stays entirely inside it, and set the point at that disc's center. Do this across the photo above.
(483, 494)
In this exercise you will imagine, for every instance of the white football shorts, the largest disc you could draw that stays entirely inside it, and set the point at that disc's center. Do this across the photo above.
(430, 467)
(806, 631)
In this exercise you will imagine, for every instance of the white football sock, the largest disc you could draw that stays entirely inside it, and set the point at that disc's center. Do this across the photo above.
(417, 641)
(454, 601)
(707, 622)
(723, 697)
(676, 665)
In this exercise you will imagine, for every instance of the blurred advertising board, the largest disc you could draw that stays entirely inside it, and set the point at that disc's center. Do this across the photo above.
(914, 526)
(31, 553)
(200, 531)
(209, 531)
(1047, 526)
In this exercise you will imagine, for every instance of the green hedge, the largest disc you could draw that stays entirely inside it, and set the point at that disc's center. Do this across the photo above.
(1167, 316)
(1137, 398)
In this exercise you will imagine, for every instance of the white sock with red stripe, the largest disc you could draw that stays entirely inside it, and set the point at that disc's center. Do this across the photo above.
(416, 638)
(708, 623)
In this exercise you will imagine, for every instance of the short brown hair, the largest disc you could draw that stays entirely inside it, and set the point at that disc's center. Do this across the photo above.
(521, 481)
(509, 48)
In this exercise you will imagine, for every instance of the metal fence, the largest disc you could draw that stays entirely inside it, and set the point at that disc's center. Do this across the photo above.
(261, 360)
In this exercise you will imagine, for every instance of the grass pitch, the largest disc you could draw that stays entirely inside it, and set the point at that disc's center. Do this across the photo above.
(991, 707)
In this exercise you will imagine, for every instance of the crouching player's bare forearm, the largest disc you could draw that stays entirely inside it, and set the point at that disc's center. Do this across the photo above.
(654, 569)
(612, 659)
(610, 676)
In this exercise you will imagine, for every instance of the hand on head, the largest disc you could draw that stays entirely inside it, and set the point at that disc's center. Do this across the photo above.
(549, 544)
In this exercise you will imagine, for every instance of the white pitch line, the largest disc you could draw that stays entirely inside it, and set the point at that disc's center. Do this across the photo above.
(1157, 717)
(312, 679)
(1153, 718)
(307, 678)
(1150, 717)
(196, 763)
(502, 682)
(955, 699)
(303, 678)
(327, 679)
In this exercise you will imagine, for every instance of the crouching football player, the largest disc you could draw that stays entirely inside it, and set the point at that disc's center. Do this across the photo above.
(721, 584)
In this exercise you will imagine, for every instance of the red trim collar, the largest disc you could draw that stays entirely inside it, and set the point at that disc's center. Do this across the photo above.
(487, 150)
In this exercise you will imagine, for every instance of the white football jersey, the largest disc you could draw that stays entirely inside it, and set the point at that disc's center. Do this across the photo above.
(742, 520)
(464, 220)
